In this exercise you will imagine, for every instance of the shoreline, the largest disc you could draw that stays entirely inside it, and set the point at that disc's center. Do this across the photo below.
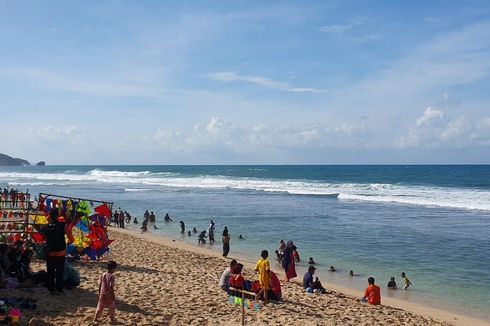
(437, 314)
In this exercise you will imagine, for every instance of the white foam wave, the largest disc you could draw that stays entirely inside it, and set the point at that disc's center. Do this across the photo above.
(101, 173)
(137, 189)
(389, 193)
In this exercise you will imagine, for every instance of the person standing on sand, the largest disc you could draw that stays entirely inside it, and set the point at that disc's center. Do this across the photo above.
(263, 268)
(372, 294)
(288, 261)
(226, 243)
(55, 252)
(107, 296)
(121, 219)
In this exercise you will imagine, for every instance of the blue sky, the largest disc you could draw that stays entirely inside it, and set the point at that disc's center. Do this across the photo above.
(245, 82)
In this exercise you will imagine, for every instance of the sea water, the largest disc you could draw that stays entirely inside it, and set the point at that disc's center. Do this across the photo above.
(432, 222)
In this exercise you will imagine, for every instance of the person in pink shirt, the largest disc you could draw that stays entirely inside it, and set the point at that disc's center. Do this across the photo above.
(107, 297)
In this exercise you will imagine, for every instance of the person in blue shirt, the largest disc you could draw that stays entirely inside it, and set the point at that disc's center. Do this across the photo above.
(311, 285)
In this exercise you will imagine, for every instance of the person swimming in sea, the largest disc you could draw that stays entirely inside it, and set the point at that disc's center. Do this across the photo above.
(311, 261)
(392, 283)
(332, 269)
(194, 230)
(241, 237)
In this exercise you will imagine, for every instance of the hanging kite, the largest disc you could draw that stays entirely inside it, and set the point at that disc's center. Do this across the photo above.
(85, 231)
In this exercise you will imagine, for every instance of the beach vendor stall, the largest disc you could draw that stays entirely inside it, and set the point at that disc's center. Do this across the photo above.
(85, 223)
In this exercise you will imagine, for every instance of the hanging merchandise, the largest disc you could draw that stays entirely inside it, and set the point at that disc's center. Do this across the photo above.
(85, 228)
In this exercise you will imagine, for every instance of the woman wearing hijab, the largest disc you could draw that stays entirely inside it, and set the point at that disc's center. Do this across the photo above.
(288, 261)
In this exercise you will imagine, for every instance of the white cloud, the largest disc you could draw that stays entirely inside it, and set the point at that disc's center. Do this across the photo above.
(224, 136)
(430, 117)
(77, 84)
(231, 76)
(434, 129)
(55, 133)
(341, 28)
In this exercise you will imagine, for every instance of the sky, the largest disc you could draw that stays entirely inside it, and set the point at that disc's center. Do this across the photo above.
(245, 82)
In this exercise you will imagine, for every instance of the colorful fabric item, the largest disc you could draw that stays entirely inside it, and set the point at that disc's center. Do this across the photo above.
(103, 210)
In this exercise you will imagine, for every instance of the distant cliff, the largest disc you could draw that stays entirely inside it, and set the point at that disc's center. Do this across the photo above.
(6, 160)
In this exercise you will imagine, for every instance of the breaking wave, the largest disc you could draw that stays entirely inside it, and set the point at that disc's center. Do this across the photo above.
(139, 181)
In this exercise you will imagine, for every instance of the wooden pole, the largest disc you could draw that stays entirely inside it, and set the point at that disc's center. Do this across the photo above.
(243, 309)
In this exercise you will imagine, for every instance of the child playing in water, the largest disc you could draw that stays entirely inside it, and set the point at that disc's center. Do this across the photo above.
(406, 281)
(202, 237)
(107, 297)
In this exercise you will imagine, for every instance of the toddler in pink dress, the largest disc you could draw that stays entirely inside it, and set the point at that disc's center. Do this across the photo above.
(107, 297)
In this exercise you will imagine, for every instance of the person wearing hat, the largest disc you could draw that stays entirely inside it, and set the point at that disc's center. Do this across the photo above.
(311, 285)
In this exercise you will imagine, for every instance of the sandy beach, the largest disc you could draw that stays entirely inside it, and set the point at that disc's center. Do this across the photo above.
(161, 281)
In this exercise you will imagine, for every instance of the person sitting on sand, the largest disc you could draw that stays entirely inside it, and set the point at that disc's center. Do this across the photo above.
(225, 277)
(406, 281)
(309, 285)
(263, 268)
(107, 296)
(167, 218)
(392, 283)
(311, 261)
(202, 237)
(71, 277)
(372, 294)
(332, 269)
(275, 293)
(182, 227)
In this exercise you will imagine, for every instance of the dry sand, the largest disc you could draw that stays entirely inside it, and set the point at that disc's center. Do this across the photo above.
(161, 281)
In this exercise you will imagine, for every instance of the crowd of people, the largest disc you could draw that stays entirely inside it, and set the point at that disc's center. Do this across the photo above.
(287, 255)
(267, 287)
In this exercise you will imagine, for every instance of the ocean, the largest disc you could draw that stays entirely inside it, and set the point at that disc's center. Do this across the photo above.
(432, 222)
